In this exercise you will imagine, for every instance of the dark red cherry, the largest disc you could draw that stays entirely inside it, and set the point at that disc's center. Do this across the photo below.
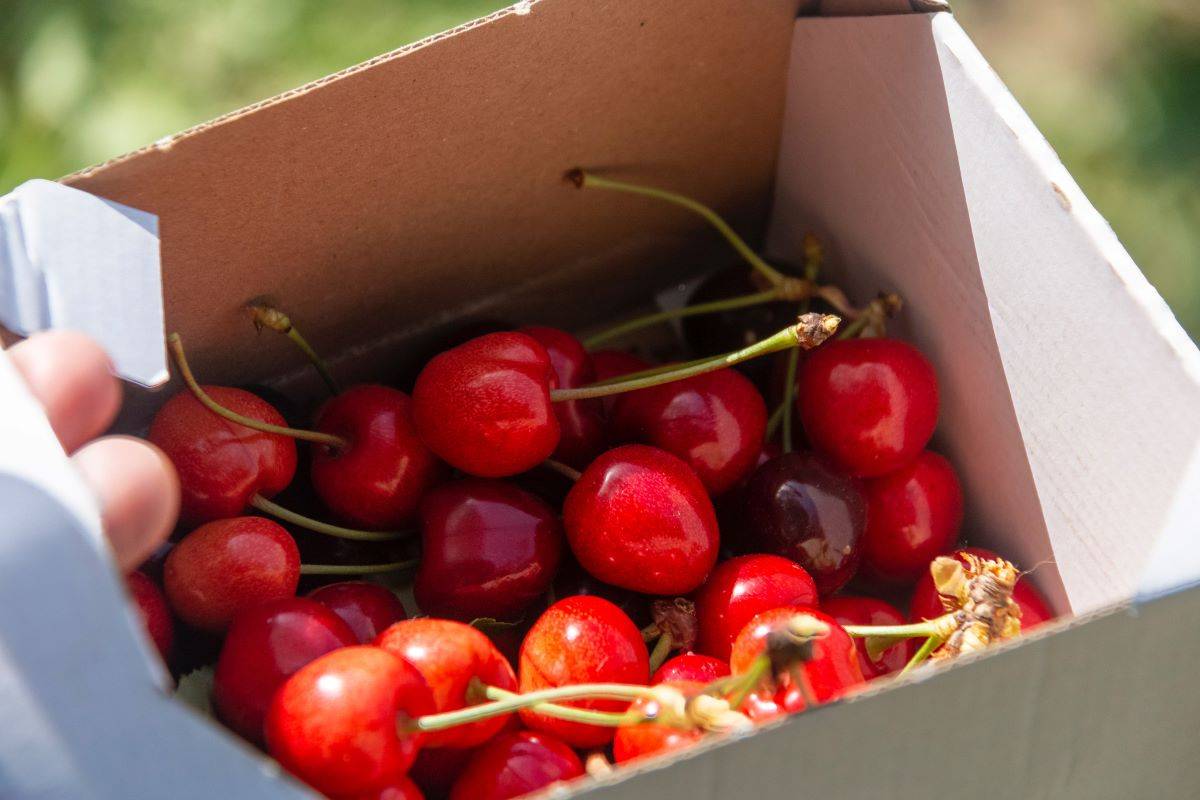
(367, 608)
(265, 645)
(377, 481)
(608, 364)
(580, 422)
(573, 579)
(227, 566)
(452, 656)
(743, 587)
(334, 724)
(222, 465)
(399, 789)
(489, 549)
(152, 608)
(484, 406)
(715, 422)
(581, 639)
(436, 769)
(913, 515)
(870, 405)
(926, 603)
(639, 518)
(690, 667)
(796, 506)
(516, 764)
(648, 738)
(850, 610)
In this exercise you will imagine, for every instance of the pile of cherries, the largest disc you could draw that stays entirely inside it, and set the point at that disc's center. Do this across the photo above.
(591, 528)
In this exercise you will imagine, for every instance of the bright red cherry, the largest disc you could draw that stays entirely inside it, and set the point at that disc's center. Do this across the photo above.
(516, 764)
(639, 518)
(399, 789)
(870, 405)
(489, 549)
(377, 481)
(913, 515)
(221, 464)
(926, 603)
(833, 669)
(647, 738)
(152, 607)
(614, 364)
(581, 639)
(580, 422)
(742, 587)
(227, 566)
(334, 724)
(695, 667)
(265, 645)
(796, 506)
(451, 656)
(715, 422)
(484, 406)
(850, 610)
(436, 769)
(367, 608)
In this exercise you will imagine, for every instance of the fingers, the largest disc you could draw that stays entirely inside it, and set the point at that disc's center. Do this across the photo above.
(138, 492)
(71, 376)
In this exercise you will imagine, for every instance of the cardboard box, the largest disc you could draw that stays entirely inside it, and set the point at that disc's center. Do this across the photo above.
(386, 202)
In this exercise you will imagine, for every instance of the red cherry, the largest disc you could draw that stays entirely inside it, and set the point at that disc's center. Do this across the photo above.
(763, 705)
(647, 738)
(152, 607)
(451, 656)
(833, 669)
(484, 406)
(715, 422)
(926, 603)
(581, 639)
(436, 769)
(367, 608)
(690, 667)
(913, 515)
(264, 646)
(489, 549)
(848, 610)
(377, 481)
(580, 423)
(743, 587)
(613, 364)
(573, 579)
(227, 566)
(399, 789)
(870, 405)
(222, 465)
(796, 506)
(639, 518)
(334, 723)
(516, 764)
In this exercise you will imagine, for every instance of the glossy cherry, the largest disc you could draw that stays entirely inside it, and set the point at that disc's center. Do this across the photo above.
(913, 515)
(715, 422)
(489, 549)
(694, 667)
(743, 587)
(378, 479)
(265, 645)
(648, 738)
(484, 406)
(228, 566)
(926, 603)
(516, 764)
(334, 724)
(639, 518)
(451, 656)
(580, 422)
(869, 405)
(581, 639)
(367, 608)
(853, 610)
(152, 608)
(221, 464)
(796, 506)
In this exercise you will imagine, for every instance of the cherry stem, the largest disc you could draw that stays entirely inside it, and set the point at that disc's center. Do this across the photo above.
(505, 702)
(810, 331)
(662, 649)
(275, 510)
(645, 321)
(855, 327)
(562, 469)
(175, 343)
(930, 644)
(929, 627)
(357, 569)
(814, 254)
(774, 422)
(265, 316)
(586, 180)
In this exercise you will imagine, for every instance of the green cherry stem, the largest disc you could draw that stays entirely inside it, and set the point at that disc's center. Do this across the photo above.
(566, 471)
(662, 649)
(773, 423)
(357, 569)
(266, 316)
(645, 321)
(930, 644)
(275, 510)
(504, 702)
(814, 254)
(929, 627)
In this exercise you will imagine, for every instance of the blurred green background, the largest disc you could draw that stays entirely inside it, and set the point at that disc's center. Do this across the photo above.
(1115, 86)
